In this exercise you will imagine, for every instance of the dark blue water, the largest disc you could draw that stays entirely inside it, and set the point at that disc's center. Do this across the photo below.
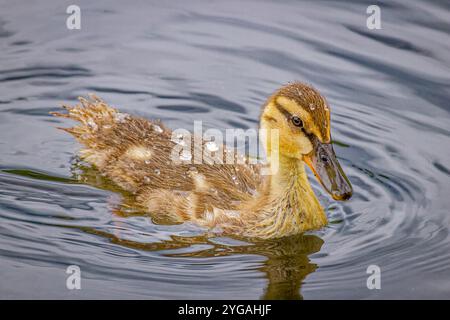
(389, 90)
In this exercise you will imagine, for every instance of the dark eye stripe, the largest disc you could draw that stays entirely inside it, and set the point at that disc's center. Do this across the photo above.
(288, 116)
(286, 113)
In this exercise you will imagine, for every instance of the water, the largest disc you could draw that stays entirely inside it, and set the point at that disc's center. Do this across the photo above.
(389, 91)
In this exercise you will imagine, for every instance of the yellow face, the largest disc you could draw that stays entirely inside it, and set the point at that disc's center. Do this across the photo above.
(297, 111)
(302, 117)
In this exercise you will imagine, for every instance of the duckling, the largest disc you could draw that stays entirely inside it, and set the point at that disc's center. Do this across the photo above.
(234, 199)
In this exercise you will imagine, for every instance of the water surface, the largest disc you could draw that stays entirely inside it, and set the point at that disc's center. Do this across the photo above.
(389, 90)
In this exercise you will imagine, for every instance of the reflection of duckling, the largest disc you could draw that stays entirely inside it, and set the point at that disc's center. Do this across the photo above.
(236, 198)
(286, 266)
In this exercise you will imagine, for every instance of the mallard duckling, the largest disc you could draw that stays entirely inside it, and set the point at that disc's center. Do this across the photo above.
(235, 199)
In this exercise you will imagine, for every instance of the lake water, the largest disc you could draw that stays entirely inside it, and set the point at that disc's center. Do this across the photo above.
(217, 61)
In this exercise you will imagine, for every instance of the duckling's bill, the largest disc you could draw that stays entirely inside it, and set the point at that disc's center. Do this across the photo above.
(325, 166)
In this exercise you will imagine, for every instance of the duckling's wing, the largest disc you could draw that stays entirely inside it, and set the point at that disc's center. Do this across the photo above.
(141, 157)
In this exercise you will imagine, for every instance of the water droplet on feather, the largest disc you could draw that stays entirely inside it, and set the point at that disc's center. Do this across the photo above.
(212, 146)
(120, 117)
(185, 155)
(157, 128)
(91, 123)
(178, 139)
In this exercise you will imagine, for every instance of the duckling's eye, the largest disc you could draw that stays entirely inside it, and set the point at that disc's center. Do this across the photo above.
(297, 121)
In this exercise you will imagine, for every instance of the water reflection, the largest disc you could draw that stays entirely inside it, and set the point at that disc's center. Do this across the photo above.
(285, 269)
(287, 263)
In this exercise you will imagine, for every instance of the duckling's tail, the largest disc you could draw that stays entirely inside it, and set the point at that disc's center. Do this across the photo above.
(92, 113)
(96, 121)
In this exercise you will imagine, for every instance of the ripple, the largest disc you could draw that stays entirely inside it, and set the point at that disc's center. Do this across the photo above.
(391, 41)
(184, 108)
(42, 72)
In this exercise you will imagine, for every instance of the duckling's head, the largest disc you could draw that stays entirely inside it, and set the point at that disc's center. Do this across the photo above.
(302, 117)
